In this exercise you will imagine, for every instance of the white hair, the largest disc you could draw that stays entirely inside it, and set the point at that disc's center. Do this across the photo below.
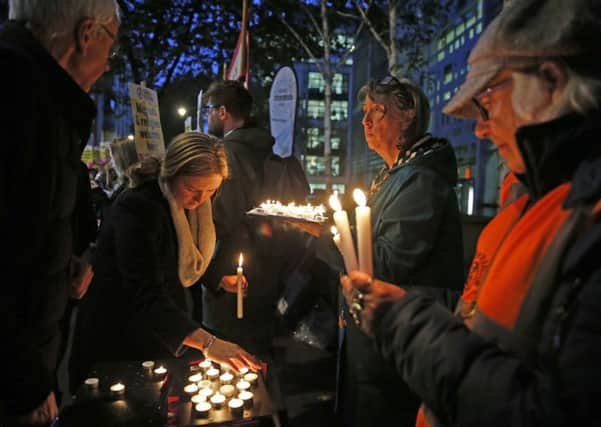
(582, 93)
(53, 18)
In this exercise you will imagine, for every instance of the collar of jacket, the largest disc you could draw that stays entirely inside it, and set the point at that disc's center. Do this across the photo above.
(553, 150)
(77, 104)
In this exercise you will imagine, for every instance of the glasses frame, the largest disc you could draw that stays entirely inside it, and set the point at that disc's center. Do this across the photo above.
(206, 109)
(486, 92)
(114, 51)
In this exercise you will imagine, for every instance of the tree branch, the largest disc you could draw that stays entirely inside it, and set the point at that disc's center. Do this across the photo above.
(370, 26)
(302, 42)
(313, 21)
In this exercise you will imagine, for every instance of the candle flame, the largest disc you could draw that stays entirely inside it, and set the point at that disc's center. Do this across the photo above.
(240, 260)
(334, 230)
(335, 203)
(359, 197)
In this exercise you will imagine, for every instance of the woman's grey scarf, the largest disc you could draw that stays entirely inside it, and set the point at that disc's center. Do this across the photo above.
(195, 237)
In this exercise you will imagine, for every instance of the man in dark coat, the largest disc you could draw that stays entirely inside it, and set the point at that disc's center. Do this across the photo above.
(525, 345)
(228, 108)
(50, 55)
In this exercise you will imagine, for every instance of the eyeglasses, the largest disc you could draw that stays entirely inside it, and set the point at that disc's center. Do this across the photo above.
(483, 97)
(375, 114)
(115, 47)
(206, 109)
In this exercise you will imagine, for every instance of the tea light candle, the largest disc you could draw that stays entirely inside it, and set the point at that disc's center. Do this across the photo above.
(243, 371)
(247, 398)
(161, 370)
(197, 398)
(205, 384)
(191, 389)
(363, 220)
(117, 390)
(251, 378)
(224, 368)
(227, 390)
(195, 378)
(236, 406)
(148, 365)
(217, 400)
(205, 365)
(206, 392)
(212, 374)
(202, 409)
(92, 382)
(239, 294)
(226, 378)
(347, 247)
(242, 385)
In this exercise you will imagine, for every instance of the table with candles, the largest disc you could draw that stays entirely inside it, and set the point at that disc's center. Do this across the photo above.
(170, 392)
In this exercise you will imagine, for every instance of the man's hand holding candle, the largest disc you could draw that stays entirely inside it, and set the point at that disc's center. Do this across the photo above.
(230, 283)
(367, 298)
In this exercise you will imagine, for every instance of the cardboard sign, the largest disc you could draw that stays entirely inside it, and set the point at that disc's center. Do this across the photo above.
(147, 122)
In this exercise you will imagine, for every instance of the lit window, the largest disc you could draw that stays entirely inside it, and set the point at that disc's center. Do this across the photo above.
(457, 44)
(470, 22)
(449, 37)
(479, 8)
(315, 165)
(339, 110)
(315, 109)
(460, 29)
(441, 55)
(447, 95)
(335, 142)
(448, 73)
(316, 81)
(340, 188)
(335, 166)
(472, 33)
(314, 139)
(479, 28)
(317, 186)
(339, 84)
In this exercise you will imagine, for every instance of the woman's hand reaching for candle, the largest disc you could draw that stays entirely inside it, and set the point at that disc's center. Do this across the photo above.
(230, 283)
(367, 297)
(230, 354)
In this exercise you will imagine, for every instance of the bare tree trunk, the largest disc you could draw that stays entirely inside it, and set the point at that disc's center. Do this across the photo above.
(392, 51)
(327, 78)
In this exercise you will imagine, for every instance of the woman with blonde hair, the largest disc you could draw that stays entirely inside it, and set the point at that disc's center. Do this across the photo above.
(156, 242)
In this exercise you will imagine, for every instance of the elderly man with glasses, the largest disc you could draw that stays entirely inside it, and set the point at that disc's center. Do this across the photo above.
(524, 347)
(51, 53)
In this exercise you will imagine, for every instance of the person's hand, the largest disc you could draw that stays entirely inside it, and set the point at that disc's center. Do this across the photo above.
(366, 297)
(230, 283)
(81, 276)
(230, 354)
(43, 414)
(313, 228)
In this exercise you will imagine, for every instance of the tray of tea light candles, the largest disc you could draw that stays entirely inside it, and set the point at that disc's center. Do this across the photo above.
(213, 394)
(173, 392)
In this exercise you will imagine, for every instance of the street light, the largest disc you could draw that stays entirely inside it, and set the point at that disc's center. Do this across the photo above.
(181, 111)
(130, 137)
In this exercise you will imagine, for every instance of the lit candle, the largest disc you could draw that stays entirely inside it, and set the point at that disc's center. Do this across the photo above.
(205, 364)
(227, 390)
(251, 378)
(197, 398)
(212, 374)
(243, 371)
(160, 371)
(236, 406)
(364, 245)
(191, 389)
(239, 294)
(203, 409)
(242, 385)
(247, 397)
(205, 384)
(206, 392)
(117, 390)
(195, 378)
(226, 378)
(217, 400)
(347, 248)
(148, 365)
(92, 382)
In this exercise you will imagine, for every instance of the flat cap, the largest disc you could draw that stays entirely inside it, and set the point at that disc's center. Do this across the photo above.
(524, 32)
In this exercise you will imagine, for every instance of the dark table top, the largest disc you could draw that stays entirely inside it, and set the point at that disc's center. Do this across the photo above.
(150, 400)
